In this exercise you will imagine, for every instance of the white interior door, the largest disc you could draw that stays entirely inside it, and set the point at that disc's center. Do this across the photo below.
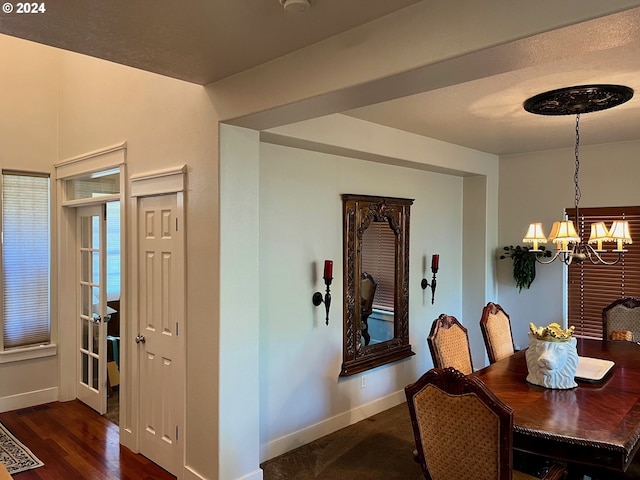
(161, 319)
(92, 307)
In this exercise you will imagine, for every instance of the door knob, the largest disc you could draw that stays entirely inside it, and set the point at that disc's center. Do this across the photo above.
(140, 339)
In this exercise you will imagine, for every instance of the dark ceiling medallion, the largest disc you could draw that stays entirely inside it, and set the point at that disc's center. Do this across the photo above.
(576, 100)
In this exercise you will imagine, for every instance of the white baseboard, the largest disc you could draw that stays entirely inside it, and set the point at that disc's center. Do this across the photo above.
(255, 475)
(313, 432)
(190, 474)
(129, 439)
(28, 399)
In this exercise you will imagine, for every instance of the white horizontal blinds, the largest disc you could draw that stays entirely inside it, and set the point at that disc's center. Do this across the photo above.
(25, 259)
(592, 287)
(378, 260)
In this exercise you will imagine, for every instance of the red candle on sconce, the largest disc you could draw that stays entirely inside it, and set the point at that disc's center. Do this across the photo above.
(328, 269)
(435, 261)
(317, 297)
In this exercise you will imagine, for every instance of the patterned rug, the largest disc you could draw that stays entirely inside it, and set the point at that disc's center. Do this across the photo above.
(14, 455)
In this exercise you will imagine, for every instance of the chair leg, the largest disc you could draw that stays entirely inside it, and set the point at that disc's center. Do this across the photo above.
(365, 333)
(576, 472)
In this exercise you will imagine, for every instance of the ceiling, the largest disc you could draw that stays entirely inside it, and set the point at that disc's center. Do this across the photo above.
(203, 41)
(488, 114)
(199, 41)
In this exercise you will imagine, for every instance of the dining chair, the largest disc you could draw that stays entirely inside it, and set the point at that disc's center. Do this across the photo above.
(496, 331)
(449, 344)
(621, 319)
(463, 431)
(368, 287)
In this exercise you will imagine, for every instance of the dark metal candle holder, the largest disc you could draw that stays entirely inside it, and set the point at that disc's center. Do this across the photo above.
(317, 298)
(424, 284)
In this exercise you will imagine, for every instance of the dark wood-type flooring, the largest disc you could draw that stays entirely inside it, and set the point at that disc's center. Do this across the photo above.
(74, 442)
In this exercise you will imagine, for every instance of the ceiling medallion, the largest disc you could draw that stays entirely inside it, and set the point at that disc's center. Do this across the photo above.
(577, 100)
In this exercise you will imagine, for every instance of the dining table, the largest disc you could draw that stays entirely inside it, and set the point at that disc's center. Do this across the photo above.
(596, 424)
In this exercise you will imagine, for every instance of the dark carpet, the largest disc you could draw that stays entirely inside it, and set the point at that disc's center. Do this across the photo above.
(380, 448)
(113, 405)
(377, 448)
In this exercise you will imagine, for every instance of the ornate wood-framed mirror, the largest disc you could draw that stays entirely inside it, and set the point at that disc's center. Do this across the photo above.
(376, 261)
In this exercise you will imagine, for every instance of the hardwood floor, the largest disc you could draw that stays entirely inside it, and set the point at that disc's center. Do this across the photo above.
(74, 442)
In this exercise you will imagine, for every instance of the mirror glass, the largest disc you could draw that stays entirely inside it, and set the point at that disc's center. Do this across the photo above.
(377, 283)
(376, 278)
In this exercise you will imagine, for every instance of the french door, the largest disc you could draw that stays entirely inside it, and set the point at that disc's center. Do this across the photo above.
(92, 306)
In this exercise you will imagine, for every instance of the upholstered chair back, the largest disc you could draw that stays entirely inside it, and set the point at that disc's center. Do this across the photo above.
(368, 291)
(449, 344)
(496, 331)
(462, 430)
(621, 320)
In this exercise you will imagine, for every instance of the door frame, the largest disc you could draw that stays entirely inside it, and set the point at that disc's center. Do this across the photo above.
(167, 181)
(109, 158)
(159, 182)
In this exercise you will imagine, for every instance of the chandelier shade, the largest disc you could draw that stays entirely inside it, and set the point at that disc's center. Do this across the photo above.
(535, 235)
(563, 233)
(620, 233)
(599, 234)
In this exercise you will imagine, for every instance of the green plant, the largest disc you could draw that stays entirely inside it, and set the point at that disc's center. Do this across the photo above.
(524, 263)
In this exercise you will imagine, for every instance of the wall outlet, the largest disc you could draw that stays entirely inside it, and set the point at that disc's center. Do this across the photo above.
(363, 381)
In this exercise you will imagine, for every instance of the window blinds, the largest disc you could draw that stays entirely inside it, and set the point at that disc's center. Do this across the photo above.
(25, 259)
(378, 260)
(592, 287)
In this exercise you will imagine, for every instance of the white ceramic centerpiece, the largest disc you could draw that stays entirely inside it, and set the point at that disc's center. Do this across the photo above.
(552, 357)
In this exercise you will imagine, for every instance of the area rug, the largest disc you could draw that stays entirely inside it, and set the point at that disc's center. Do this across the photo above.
(14, 455)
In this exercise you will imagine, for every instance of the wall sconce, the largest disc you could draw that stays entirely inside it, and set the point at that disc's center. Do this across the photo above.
(317, 297)
(435, 263)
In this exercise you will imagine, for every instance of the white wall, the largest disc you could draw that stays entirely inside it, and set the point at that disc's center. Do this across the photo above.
(538, 187)
(300, 226)
(301, 394)
(166, 123)
(28, 135)
(340, 134)
(239, 304)
(58, 105)
(478, 236)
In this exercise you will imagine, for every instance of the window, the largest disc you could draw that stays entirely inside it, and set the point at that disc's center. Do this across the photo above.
(96, 184)
(592, 287)
(378, 260)
(25, 259)
(113, 251)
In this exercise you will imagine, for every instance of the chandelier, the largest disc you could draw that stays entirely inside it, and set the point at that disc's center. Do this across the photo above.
(569, 248)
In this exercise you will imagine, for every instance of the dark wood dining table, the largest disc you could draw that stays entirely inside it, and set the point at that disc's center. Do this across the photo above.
(594, 424)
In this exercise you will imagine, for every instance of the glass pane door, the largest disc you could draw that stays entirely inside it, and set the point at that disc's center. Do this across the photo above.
(92, 311)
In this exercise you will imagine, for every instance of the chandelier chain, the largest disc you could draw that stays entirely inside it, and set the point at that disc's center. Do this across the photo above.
(577, 170)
